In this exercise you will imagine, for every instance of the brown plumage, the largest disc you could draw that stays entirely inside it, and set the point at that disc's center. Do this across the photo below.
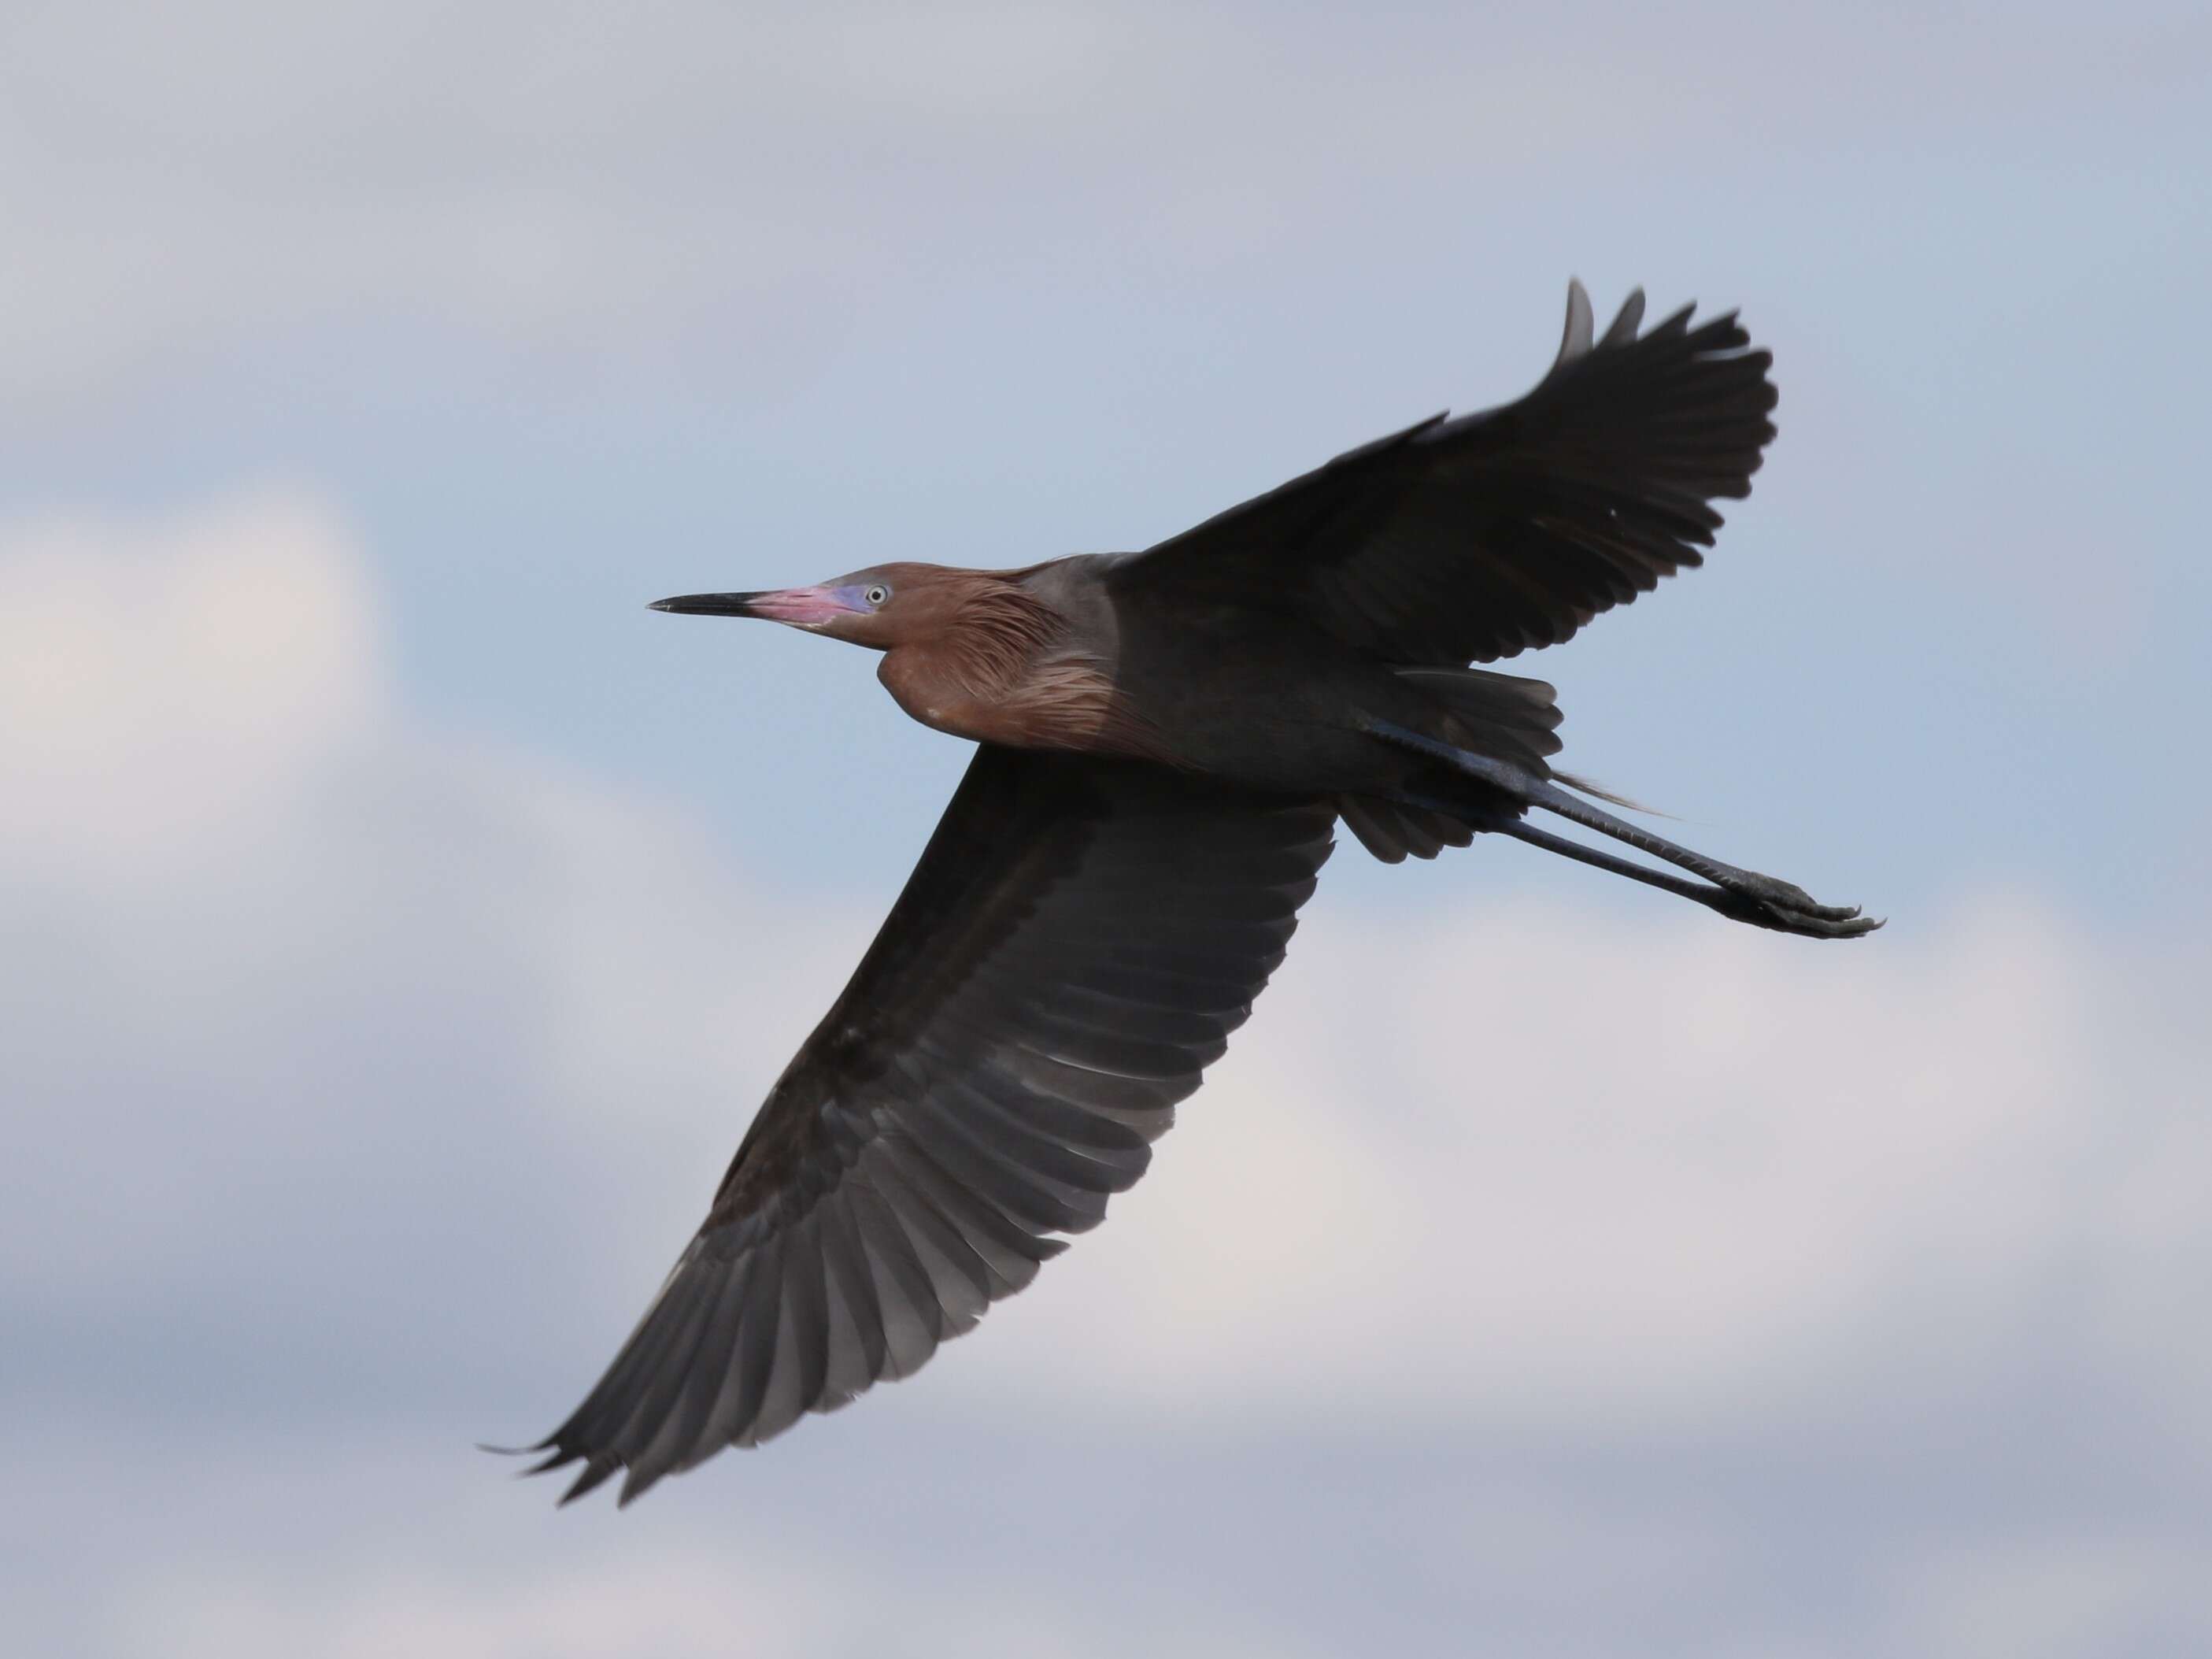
(977, 654)
(1166, 740)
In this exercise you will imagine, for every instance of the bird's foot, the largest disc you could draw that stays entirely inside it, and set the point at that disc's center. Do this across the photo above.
(1765, 902)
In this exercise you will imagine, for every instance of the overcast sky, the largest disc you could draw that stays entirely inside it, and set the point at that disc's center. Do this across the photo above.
(398, 924)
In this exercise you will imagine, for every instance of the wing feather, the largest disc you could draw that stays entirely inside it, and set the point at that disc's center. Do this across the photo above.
(1469, 539)
(1075, 946)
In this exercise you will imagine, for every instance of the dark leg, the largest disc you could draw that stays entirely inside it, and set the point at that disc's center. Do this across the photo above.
(1742, 895)
(1736, 906)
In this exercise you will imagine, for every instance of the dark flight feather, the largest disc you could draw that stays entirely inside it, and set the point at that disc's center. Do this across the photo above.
(1467, 540)
(1076, 945)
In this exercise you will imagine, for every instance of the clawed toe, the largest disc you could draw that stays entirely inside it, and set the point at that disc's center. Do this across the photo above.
(1807, 920)
(1766, 902)
(1850, 925)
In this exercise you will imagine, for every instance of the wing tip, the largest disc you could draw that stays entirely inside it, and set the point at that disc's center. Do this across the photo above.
(1626, 322)
(1578, 334)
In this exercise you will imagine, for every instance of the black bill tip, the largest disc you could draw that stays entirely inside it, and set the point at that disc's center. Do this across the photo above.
(706, 604)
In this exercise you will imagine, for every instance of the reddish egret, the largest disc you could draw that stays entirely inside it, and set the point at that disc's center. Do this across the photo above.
(1166, 742)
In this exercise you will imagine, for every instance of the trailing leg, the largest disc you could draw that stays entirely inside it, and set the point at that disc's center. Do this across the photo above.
(1742, 895)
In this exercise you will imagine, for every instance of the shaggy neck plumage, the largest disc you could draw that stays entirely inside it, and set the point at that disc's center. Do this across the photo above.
(996, 631)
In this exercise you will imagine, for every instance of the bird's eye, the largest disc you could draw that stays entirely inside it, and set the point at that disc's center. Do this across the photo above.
(877, 594)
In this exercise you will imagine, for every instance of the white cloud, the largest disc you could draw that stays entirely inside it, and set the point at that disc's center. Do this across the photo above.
(159, 681)
(293, 975)
(2088, 1593)
(697, 1603)
(579, 185)
(1609, 1167)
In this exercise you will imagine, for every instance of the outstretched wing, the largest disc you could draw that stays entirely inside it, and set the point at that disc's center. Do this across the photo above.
(1476, 539)
(1074, 948)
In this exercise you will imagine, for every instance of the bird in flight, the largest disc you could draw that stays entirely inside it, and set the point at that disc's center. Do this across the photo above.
(1166, 742)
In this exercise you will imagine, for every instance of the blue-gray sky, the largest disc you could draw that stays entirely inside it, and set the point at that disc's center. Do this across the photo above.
(398, 924)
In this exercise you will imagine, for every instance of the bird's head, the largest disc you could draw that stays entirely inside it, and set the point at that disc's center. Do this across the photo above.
(881, 607)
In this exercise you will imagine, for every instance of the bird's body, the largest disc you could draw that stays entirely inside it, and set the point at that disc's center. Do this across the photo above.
(1166, 740)
(1091, 669)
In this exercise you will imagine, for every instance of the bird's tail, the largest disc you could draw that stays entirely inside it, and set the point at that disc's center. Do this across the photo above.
(1598, 792)
(1503, 717)
(1500, 716)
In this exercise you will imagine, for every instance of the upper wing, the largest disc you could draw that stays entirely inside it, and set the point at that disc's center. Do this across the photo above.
(1475, 539)
(1076, 945)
